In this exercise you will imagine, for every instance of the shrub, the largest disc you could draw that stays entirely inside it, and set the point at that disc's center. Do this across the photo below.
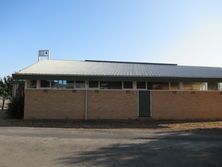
(16, 107)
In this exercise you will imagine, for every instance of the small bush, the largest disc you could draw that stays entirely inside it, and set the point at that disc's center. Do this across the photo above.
(16, 107)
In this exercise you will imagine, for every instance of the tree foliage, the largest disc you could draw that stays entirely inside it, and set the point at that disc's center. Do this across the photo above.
(5, 89)
(16, 107)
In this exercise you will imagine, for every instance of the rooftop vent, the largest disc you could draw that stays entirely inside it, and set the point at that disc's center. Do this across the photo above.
(43, 55)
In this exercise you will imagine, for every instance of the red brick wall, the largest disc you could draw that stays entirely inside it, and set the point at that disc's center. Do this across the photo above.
(182, 105)
(106, 104)
(54, 104)
(63, 104)
(112, 105)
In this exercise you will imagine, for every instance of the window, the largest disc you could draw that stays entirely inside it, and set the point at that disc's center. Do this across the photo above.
(80, 84)
(141, 85)
(110, 85)
(93, 84)
(32, 84)
(158, 85)
(194, 86)
(204, 86)
(212, 86)
(62, 84)
(175, 85)
(45, 84)
(69, 84)
(220, 86)
(55, 84)
(127, 85)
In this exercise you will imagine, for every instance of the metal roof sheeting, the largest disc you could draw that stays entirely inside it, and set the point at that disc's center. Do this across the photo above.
(119, 69)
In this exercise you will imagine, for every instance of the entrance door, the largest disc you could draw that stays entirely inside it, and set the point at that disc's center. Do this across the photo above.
(144, 103)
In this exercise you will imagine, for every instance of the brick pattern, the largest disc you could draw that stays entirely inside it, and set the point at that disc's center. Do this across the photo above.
(186, 105)
(106, 104)
(112, 105)
(54, 104)
(68, 104)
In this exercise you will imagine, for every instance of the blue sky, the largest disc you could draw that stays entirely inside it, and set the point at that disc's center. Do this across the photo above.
(187, 32)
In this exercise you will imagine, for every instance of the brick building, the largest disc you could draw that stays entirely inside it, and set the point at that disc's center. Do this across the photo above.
(89, 89)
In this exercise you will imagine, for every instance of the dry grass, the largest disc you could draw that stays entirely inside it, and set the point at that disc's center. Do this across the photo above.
(115, 124)
(192, 125)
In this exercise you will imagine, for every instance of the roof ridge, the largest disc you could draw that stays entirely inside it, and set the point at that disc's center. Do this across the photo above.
(129, 62)
(198, 66)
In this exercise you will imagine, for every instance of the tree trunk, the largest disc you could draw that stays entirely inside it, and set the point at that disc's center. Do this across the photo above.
(3, 103)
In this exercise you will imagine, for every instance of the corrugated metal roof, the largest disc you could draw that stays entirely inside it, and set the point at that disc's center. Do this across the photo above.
(119, 69)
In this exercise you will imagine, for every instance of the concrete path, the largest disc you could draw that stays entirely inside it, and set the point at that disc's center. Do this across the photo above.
(57, 147)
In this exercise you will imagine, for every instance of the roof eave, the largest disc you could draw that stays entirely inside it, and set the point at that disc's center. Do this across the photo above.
(18, 76)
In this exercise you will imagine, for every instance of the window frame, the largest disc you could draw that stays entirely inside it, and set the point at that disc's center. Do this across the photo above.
(85, 86)
(29, 84)
(107, 88)
(174, 83)
(141, 88)
(124, 85)
(98, 87)
(159, 83)
(40, 84)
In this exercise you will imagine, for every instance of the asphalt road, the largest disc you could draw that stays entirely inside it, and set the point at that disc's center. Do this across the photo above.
(54, 147)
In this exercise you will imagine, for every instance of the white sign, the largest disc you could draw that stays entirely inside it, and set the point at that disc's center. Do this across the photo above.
(43, 52)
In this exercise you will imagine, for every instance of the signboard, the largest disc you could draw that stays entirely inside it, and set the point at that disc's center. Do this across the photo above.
(43, 54)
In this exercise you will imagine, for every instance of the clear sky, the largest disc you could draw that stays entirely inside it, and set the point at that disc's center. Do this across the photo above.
(187, 32)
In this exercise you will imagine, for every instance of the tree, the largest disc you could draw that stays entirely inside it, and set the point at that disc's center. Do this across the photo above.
(5, 89)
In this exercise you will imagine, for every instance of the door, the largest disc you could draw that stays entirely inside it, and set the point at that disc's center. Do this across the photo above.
(144, 103)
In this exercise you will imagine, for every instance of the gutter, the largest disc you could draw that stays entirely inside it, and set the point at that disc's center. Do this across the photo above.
(112, 78)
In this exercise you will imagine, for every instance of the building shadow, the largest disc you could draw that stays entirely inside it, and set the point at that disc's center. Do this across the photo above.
(193, 148)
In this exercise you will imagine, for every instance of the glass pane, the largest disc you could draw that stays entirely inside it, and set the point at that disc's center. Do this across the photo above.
(110, 85)
(158, 85)
(174, 85)
(212, 86)
(44, 84)
(141, 85)
(93, 84)
(194, 85)
(127, 85)
(55, 84)
(220, 86)
(80, 84)
(69, 84)
(62, 84)
(32, 84)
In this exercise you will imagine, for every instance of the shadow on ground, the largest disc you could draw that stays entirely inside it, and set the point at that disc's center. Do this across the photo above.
(199, 148)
